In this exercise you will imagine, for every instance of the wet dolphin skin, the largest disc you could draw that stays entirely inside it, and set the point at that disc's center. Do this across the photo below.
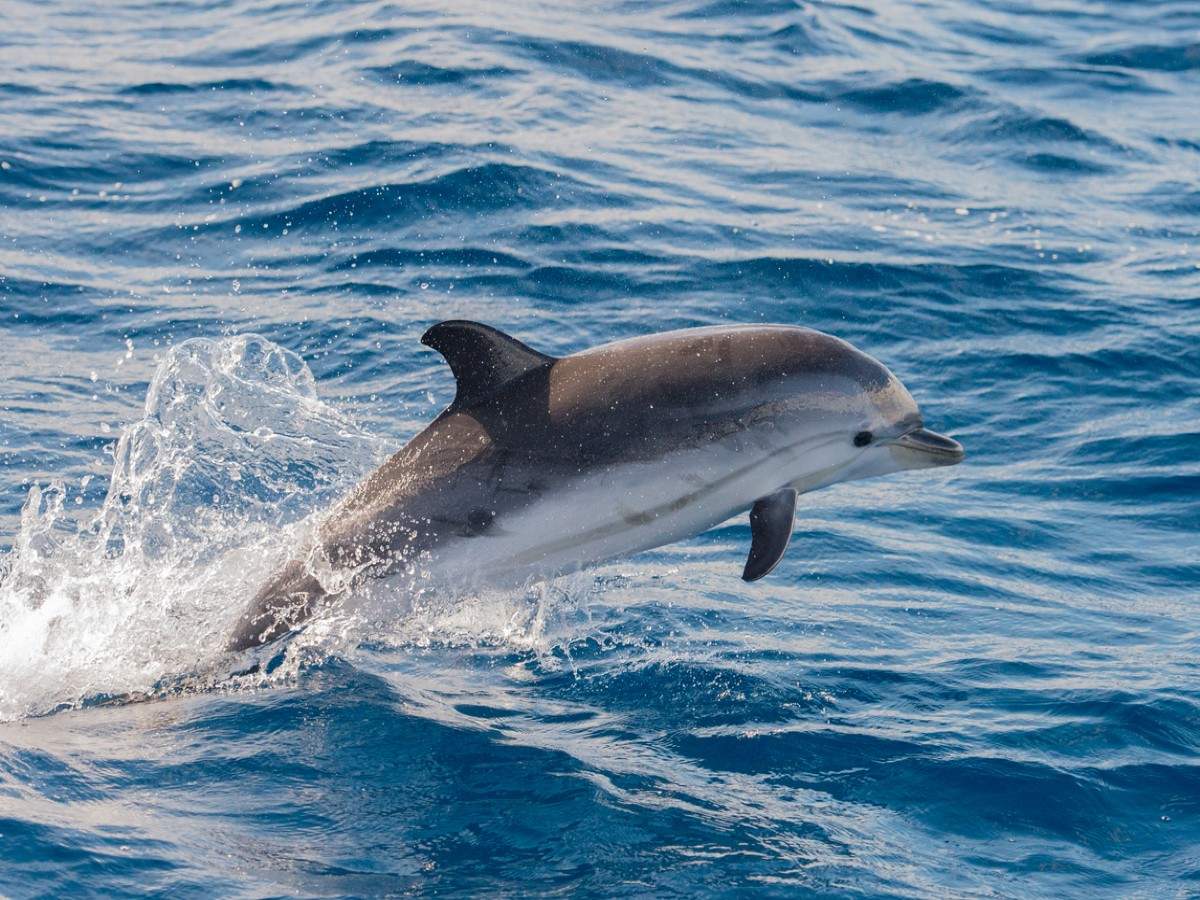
(543, 465)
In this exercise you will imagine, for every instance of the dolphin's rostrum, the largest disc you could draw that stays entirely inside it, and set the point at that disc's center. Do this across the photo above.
(545, 465)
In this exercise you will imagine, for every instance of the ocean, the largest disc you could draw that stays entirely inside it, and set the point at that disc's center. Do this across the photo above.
(224, 227)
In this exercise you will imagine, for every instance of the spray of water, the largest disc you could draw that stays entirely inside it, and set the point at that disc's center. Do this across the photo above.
(229, 467)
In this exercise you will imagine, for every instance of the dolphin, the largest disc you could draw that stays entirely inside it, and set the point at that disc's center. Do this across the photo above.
(543, 466)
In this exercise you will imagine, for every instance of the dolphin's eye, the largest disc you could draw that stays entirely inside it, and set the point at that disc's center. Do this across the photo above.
(863, 438)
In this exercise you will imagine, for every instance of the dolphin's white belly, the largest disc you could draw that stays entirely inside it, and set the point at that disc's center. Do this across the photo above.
(614, 512)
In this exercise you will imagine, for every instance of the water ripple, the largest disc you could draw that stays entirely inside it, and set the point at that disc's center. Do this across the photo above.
(969, 683)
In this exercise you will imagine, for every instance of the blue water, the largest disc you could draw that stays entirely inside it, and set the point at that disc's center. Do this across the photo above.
(980, 681)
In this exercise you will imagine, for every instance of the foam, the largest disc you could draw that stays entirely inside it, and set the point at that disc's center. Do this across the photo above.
(229, 467)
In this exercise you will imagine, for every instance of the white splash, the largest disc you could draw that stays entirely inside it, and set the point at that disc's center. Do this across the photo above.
(229, 467)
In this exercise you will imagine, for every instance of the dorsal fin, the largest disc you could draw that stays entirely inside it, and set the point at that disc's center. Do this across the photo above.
(482, 359)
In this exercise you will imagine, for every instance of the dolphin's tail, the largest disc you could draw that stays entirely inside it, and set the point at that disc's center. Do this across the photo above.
(283, 603)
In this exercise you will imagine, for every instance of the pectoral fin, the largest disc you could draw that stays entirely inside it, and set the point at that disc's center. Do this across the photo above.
(770, 530)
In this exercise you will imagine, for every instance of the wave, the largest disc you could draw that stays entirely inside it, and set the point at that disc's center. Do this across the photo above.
(913, 96)
(1059, 164)
(249, 85)
(485, 188)
(1025, 128)
(1148, 57)
(415, 73)
(455, 258)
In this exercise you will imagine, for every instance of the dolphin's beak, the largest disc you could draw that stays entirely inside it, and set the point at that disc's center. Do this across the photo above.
(924, 449)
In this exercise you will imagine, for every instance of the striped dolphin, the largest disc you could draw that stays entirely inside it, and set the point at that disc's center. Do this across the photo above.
(542, 465)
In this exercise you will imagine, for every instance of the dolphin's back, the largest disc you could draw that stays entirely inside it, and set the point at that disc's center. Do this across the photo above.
(631, 401)
(644, 396)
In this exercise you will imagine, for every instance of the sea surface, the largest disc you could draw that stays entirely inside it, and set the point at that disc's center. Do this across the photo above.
(225, 225)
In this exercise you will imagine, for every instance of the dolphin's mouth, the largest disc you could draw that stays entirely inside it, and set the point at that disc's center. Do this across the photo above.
(923, 448)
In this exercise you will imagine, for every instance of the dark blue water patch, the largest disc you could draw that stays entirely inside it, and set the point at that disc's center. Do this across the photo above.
(1056, 164)
(66, 860)
(568, 283)
(247, 85)
(735, 9)
(1138, 490)
(1165, 726)
(32, 304)
(1172, 271)
(992, 585)
(1003, 793)
(293, 50)
(828, 757)
(796, 39)
(1062, 868)
(626, 257)
(411, 73)
(1181, 143)
(602, 63)
(1141, 361)
(871, 279)
(1167, 576)
(241, 187)
(856, 189)
(16, 89)
(1071, 79)
(956, 300)
(1174, 198)
(1149, 57)
(873, 34)
(1155, 447)
(986, 671)
(1158, 795)
(706, 695)
(915, 96)
(44, 771)
(449, 835)
(49, 163)
(1027, 129)
(848, 686)
(1016, 533)
(576, 234)
(994, 33)
(384, 154)
(607, 64)
(477, 711)
(490, 187)
(451, 258)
